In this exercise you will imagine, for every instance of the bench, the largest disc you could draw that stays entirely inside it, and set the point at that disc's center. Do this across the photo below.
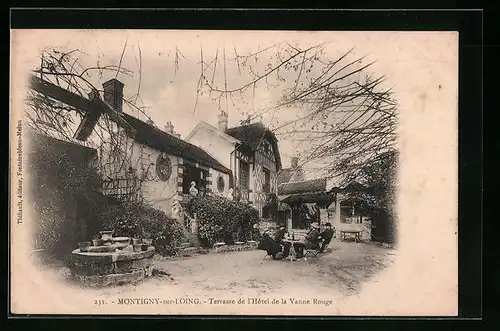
(188, 251)
(185, 245)
(219, 245)
(356, 233)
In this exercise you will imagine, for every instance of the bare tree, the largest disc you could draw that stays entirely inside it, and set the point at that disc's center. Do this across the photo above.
(49, 116)
(347, 120)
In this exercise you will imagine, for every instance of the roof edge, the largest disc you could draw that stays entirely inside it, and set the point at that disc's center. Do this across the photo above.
(203, 124)
(216, 166)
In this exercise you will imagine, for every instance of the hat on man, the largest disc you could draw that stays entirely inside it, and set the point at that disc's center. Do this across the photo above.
(328, 224)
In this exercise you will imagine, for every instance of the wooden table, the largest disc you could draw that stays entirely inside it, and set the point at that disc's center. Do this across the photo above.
(357, 234)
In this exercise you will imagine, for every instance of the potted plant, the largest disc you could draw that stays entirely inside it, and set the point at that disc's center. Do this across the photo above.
(147, 240)
(106, 235)
(84, 246)
(136, 240)
(121, 240)
(96, 240)
(138, 247)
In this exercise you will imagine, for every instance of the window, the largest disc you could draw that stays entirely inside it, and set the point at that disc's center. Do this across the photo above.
(193, 174)
(267, 181)
(244, 175)
(220, 184)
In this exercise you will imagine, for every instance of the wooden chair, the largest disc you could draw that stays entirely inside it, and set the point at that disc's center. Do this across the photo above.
(314, 252)
(311, 252)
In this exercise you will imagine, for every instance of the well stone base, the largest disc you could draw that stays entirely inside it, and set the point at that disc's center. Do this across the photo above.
(108, 269)
(113, 279)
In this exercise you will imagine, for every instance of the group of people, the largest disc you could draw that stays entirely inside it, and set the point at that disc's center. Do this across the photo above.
(314, 239)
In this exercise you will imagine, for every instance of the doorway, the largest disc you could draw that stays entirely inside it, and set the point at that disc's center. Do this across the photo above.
(194, 174)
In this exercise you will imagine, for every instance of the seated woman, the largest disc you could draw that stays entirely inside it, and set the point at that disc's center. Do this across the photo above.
(311, 241)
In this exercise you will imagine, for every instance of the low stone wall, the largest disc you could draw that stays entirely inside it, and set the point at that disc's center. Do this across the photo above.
(190, 251)
(235, 248)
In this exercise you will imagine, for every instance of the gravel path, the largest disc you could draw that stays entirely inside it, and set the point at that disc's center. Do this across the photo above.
(336, 274)
(341, 270)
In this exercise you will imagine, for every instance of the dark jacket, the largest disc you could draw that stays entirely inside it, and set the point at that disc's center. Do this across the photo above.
(268, 244)
(327, 234)
(311, 239)
(279, 235)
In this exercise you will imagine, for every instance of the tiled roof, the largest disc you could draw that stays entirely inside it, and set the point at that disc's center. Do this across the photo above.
(157, 139)
(252, 135)
(307, 186)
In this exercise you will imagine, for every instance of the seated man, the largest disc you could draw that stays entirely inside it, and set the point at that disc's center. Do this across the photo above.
(326, 236)
(268, 244)
(311, 241)
(279, 236)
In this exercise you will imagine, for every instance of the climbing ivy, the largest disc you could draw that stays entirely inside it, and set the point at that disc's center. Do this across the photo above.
(222, 220)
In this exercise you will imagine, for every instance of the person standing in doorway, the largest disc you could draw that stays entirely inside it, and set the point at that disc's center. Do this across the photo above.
(193, 191)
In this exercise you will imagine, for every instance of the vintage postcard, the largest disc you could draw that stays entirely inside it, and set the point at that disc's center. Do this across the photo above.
(234, 172)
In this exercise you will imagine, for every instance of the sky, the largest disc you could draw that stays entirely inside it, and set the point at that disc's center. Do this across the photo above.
(169, 90)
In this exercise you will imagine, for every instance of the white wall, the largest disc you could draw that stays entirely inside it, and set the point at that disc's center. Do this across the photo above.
(155, 191)
(214, 144)
(142, 159)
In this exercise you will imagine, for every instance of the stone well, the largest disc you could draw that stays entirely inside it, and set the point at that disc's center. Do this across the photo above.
(112, 268)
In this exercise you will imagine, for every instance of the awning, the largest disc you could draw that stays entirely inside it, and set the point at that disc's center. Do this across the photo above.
(306, 186)
(320, 198)
(320, 191)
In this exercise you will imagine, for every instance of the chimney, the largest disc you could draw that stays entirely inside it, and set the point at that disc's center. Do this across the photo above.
(222, 122)
(93, 95)
(113, 94)
(177, 135)
(169, 128)
(298, 172)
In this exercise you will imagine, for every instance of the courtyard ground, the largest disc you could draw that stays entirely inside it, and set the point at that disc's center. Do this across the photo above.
(343, 268)
(338, 273)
